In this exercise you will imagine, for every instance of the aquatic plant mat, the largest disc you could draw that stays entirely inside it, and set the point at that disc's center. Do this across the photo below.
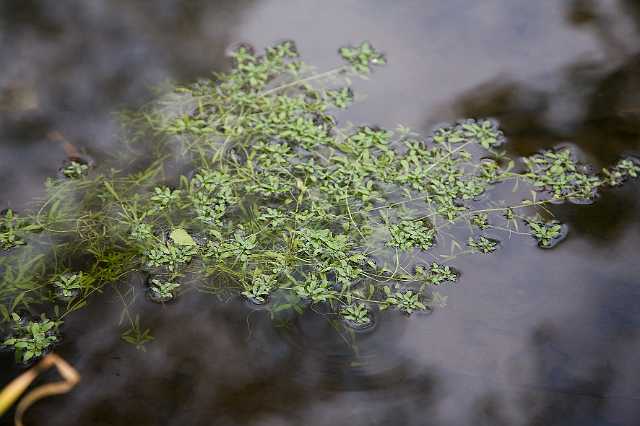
(245, 185)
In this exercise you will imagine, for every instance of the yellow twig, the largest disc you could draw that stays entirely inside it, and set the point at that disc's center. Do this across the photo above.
(10, 394)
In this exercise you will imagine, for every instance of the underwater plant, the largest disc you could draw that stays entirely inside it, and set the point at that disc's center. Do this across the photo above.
(250, 187)
(12, 228)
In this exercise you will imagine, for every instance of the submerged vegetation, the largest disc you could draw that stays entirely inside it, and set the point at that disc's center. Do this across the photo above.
(246, 184)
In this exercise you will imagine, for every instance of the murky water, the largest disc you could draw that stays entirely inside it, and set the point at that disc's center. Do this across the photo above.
(530, 337)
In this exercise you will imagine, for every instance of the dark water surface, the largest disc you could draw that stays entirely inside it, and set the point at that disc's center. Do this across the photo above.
(530, 337)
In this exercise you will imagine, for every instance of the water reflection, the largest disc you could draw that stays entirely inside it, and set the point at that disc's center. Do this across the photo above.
(591, 102)
(530, 337)
(67, 67)
(229, 365)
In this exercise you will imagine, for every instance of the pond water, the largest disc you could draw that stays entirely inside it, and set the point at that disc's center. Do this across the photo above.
(529, 336)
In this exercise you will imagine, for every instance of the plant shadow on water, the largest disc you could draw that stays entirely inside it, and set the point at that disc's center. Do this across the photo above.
(549, 339)
(227, 363)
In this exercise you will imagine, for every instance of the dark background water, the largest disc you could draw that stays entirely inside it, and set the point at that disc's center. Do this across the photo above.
(530, 337)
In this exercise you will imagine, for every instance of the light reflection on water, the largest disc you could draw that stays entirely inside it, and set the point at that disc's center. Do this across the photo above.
(529, 337)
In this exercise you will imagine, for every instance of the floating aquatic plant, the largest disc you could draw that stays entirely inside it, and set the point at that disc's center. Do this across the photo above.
(162, 291)
(483, 244)
(406, 301)
(31, 339)
(69, 285)
(408, 234)
(260, 287)
(437, 274)
(245, 184)
(75, 169)
(357, 314)
(546, 233)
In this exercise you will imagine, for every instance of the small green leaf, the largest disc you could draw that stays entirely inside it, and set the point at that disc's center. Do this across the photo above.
(181, 237)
